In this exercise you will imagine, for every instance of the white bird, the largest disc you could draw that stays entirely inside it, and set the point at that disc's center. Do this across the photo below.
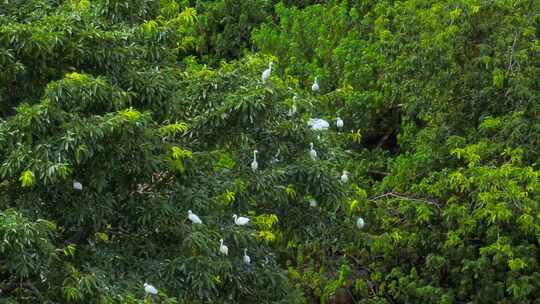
(77, 186)
(240, 221)
(339, 122)
(247, 259)
(254, 163)
(275, 158)
(267, 72)
(222, 248)
(312, 203)
(315, 86)
(318, 124)
(360, 223)
(195, 219)
(312, 152)
(292, 110)
(150, 289)
(344, 177)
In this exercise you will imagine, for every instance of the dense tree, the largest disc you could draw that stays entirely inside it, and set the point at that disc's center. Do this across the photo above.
(117, 117)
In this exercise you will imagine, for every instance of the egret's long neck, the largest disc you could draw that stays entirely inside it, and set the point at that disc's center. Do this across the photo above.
(254, 156)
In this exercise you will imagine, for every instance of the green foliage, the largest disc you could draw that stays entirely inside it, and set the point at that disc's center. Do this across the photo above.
(155, 108)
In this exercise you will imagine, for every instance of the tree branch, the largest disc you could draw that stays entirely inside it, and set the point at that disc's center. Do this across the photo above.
(392, 194)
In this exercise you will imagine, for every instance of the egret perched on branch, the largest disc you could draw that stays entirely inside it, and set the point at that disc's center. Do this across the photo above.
(360, 223)
(292, 110)
(194, 218)
(315, 85)
(240, 221)
(339, 122)
(312, 203)
(312, 152)
(267, 72)
(318, 124)
(275, 158)
(222, 248)
(150, 289)
(247, 259)
(77, 185)
(344, 177)
(254, 163)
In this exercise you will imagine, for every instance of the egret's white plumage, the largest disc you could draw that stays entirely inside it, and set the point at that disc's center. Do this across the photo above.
(254, 163)
(247, 259)
(339, 122)
(267, 72)
(315, 85)
(318, 124)
(292, 110)
(360, 223)
(344, 177)
(240, 221)
(77, 186)
(312, 152)
(222, 248)
(195, 219)
(312, 203)
(150, 289)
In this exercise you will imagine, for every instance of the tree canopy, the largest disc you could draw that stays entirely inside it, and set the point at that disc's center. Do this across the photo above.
(119, 118)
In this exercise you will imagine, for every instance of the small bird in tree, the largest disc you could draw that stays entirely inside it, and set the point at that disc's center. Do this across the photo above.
(312, 203)
(254, 163)
(339, 122)
(315, 85)
(240, 221)
(275, 158)
(77, 186)
(292, 110)
(195, 219)
(360, 223)
(318, 124)
(312, 152)
(222, 248)
(247, 259)
(267, 72)
(344, 177)
(150, 289)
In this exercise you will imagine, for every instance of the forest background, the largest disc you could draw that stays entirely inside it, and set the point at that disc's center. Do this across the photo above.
(119, 116)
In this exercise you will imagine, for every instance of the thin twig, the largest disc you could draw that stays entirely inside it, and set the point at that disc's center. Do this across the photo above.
(392, 194)
(511, 60)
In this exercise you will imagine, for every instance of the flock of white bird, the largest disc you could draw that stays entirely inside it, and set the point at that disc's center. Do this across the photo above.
(314, 123)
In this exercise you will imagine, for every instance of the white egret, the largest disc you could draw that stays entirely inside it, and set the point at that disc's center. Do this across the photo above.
(360, 223)
(267, 72)
(344, 177)
(247, 259)
(77, 186)
(339, 122)
(240, 221)
(318, 124)
(150, 289)
(275, 158)
(195, 219)
(312, 203)
(222, 248)
(254, 163)
(292, 110)
(315, 86)
(312, 152)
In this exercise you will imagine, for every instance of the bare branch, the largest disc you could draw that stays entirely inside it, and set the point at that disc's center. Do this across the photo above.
(392, 194)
